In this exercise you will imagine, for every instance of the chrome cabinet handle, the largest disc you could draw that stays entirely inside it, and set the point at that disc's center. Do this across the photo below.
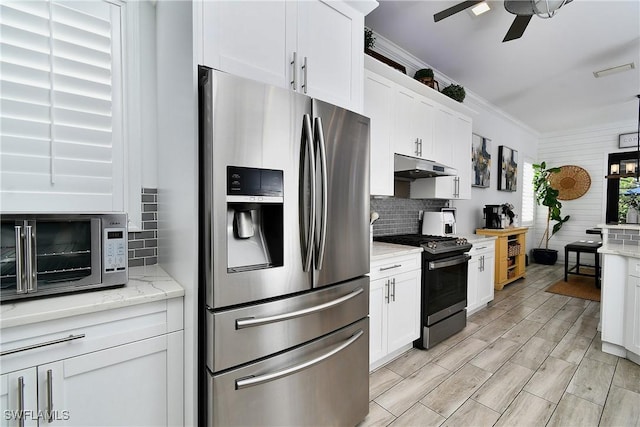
(319, 133)
(44, 344)
(30, 270)
(49, 413)
(20, 273)
(456, 181)
(252, 321)
(294, 65)
(305, 70)
(306, 130)
(389, 268)
(420, 147)
(393, 283)
(254, 381)
(417, 146)
(21, 401)
(386, 291)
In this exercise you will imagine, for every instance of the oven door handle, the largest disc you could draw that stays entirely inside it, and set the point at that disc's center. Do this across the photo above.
(254, 381)
(252, 321)
(449, 262)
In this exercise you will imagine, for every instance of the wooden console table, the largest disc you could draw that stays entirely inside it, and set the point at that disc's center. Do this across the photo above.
(510, 253)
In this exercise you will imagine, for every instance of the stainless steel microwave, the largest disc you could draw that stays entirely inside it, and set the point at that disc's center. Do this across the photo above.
(47, 254)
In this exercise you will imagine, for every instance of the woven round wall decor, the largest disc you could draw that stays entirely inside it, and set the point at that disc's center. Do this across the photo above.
(572, 182)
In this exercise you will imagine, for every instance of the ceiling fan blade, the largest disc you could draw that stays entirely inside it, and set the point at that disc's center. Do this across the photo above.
(517, 27)
(454, 9)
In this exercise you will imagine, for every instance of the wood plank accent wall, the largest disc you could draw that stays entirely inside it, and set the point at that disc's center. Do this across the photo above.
(588, 149)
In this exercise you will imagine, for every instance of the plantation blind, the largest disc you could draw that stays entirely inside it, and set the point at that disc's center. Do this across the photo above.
(61, 146)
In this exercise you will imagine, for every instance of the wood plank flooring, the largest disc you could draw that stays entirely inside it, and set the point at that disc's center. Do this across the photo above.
(529, 358)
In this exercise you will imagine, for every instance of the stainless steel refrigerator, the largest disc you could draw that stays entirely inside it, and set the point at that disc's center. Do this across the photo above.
(284, 199)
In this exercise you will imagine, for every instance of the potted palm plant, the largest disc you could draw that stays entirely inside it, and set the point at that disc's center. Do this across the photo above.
(547, 196)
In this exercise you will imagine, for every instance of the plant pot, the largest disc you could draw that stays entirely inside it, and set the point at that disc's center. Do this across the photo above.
(544, 256)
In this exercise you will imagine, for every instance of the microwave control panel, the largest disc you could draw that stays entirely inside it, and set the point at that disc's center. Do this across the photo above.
(115, 249)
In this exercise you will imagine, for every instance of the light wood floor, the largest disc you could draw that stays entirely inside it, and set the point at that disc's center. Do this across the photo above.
(530, 358)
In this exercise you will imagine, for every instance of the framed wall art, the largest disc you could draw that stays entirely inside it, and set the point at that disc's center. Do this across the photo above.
(507, 169)
(480, 161)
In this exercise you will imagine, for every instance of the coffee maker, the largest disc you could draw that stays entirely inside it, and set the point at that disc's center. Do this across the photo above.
(492, 216)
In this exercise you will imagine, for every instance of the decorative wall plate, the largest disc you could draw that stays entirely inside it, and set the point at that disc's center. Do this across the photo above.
(572, 182)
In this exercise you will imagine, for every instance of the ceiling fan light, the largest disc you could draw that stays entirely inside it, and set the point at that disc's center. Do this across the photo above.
(547, 8)
(480, 8)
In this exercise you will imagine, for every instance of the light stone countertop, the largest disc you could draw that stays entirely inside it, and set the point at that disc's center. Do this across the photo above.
(475, 239)
(620, 226)
(146, 284)
(618, 249)
(380, 250)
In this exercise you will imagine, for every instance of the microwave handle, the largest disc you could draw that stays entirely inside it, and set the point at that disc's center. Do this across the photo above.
(29, 250)
(21, 287)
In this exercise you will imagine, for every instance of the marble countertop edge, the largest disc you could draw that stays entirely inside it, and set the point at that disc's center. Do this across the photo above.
(146, 284)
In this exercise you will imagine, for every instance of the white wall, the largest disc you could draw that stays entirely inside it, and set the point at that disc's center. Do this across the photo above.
(178, 172)
(589, 149)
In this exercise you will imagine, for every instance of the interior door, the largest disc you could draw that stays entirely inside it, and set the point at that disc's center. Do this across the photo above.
(342, 228)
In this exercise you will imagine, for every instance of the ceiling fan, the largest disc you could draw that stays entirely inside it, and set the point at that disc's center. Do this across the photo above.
(523, 9)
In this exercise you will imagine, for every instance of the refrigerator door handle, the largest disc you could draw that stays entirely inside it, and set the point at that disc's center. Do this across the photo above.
(20, 277)
(261, 379)
(319, 137)
(307, 138)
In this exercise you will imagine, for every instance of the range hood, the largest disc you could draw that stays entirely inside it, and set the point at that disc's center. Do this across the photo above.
(415, 168)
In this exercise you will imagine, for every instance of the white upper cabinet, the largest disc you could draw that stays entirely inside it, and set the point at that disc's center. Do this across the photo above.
(378, 106)
(313, 47)
(443, 136)
(413, 117)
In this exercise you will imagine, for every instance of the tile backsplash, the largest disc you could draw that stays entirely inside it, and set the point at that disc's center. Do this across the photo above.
(400, 216)
(143, 245)
(622, 236)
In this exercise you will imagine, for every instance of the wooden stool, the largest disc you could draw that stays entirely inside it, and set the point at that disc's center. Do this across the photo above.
(578, 248)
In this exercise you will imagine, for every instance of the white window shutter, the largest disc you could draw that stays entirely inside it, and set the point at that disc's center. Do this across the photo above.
(61, 145)
(528, 196)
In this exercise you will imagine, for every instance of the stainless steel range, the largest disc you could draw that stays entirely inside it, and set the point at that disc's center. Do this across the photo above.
(444, 284)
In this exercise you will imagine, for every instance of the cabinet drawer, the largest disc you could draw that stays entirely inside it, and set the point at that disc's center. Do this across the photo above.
(63, 338)
(395, 265)
(484, 248)
(634, 267)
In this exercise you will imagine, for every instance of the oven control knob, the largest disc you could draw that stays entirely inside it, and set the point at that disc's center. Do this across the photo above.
(461, 241)
(431, 245)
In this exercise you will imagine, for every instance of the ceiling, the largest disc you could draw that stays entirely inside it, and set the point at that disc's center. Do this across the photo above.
(544, 79)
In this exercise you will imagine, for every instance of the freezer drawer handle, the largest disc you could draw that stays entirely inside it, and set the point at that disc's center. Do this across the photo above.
(254, 381)
(252, 321)
(43, 344)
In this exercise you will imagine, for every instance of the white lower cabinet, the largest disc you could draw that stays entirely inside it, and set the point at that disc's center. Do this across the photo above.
(394, 307)
(481, 275)
(632, 309)
(138, 382)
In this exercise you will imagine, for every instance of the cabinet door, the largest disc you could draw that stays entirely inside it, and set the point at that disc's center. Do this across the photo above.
(462, 134)
(501, 262)
(404, 310)
(405, 138)
(330, 40)
(378, 106)
(424, 116)
(632, 314)
(485, 289)
(473, 279)
(18, 392)
(252, 39)
(443, 137)
(124, 385)
(378, 319)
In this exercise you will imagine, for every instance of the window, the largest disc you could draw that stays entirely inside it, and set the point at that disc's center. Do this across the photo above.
(620, 189)
(528, 197)
(61, 117)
